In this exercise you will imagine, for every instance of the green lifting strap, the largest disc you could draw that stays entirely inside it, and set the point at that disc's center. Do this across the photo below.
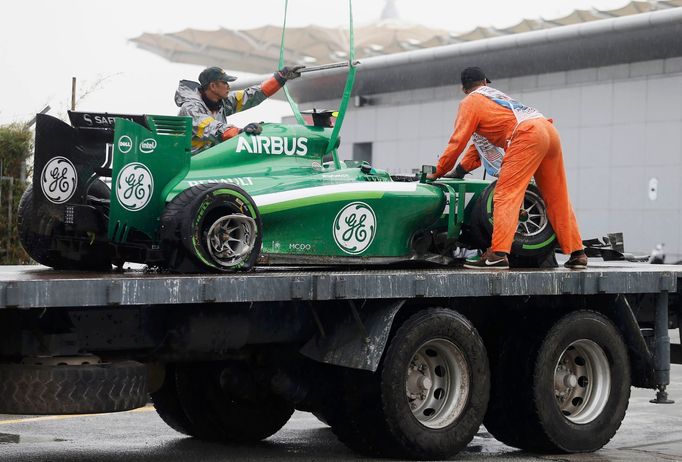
(346, 91)
(292, 103)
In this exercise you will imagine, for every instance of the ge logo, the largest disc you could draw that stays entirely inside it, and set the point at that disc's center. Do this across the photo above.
(355, 227)
(58, 180)
(134, 187)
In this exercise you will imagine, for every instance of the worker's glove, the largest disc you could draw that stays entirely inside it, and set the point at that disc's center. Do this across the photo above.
(254, 128)
(288, 73)
(458, 173)
(230, 132)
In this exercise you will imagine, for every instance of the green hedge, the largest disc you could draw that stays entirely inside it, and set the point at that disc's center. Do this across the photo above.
(16, 145)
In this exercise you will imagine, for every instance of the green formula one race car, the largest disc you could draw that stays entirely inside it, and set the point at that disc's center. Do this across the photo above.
(252, 200)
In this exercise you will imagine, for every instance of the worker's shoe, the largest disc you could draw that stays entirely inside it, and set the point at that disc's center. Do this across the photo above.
(577, 260)
(489, 260)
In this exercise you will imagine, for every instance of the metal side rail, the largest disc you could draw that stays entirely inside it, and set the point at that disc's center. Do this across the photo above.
(40, 287)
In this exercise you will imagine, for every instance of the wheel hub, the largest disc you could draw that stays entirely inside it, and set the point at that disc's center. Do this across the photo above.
(231, 238)
(582, 381)
(533, 215)
(437, 383)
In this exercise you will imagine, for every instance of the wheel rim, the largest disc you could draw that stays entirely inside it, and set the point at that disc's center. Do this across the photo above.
(230, 239)
(533, 215)
(438, 383)
(582, 381)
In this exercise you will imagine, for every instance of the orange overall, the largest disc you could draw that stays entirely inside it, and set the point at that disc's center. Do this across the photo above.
(535, 150)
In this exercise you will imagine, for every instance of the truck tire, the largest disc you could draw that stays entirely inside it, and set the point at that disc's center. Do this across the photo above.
(72, 389)
(217, 225)
(37, 233)
(565, 391)
(428, 396)
(216, 415)
(168, 407)
(534, 236)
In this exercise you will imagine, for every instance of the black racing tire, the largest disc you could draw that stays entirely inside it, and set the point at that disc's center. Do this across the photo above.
(215, 415)
(36, 244)
(189, 220)
(565, 391)
(36, 235)
(72, 389)
(376, 417)
(535, 238)
(168, 407)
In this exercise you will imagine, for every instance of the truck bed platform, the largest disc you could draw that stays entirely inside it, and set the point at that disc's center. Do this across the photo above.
(40, 287)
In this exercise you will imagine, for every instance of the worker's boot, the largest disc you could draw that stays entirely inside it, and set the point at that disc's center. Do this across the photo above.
(578, 260)
(489, 260)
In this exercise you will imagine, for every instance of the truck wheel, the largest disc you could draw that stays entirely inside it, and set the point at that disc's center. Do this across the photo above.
(428, 397)
(218, 225)
(168, 407)
(217, 415)
(534, 236)
(569, 392)
(36, 234)
(72, 389)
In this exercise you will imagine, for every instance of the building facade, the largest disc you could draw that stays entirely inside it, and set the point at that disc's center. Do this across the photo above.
(612, 87)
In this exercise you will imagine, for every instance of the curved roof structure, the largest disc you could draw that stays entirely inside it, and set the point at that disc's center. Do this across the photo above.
(642, 37)
(255, 50)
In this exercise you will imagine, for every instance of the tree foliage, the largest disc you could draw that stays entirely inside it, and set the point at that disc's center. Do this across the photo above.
(16, 145)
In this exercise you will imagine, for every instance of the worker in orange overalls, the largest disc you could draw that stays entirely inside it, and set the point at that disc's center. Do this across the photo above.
(514, 142)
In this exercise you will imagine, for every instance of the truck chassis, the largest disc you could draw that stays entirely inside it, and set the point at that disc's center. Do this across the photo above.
(399, 361)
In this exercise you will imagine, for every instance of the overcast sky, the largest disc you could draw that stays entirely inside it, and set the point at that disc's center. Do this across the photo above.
(43, 43)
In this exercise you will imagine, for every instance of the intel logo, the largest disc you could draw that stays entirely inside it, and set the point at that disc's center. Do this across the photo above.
(125, 144)
(148, 145)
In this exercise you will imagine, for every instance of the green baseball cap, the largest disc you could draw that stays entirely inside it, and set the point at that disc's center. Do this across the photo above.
(211, 74)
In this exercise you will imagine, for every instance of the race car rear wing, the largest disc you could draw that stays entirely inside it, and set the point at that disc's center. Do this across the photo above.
(96, 133)
(68, 158)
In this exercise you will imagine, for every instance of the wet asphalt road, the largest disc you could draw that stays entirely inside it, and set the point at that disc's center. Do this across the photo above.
(649, 433)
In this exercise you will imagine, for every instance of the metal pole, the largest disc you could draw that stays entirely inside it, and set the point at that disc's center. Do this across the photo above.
(30, 123)
(661, 349)
(11, 204)
(323, 67)
(73, 93)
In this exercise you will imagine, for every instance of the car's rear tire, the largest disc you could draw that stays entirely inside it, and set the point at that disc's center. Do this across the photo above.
(37, 233)
(564, 390)
(534, 237)
(428, 396)
(217, 226)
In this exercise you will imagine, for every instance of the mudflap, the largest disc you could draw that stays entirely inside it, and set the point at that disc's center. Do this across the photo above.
(355, 338)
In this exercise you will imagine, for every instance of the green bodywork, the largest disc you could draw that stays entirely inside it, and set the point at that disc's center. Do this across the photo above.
(308, 207)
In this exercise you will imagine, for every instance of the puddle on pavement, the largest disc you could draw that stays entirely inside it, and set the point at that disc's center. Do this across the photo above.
(8, 438)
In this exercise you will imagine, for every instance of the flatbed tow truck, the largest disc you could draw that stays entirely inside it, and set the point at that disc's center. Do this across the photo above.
(399, 361)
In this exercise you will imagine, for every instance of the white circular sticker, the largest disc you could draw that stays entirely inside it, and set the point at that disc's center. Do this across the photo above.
(125, 144)
(355, 227)
(134, 186)
(58, 180)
